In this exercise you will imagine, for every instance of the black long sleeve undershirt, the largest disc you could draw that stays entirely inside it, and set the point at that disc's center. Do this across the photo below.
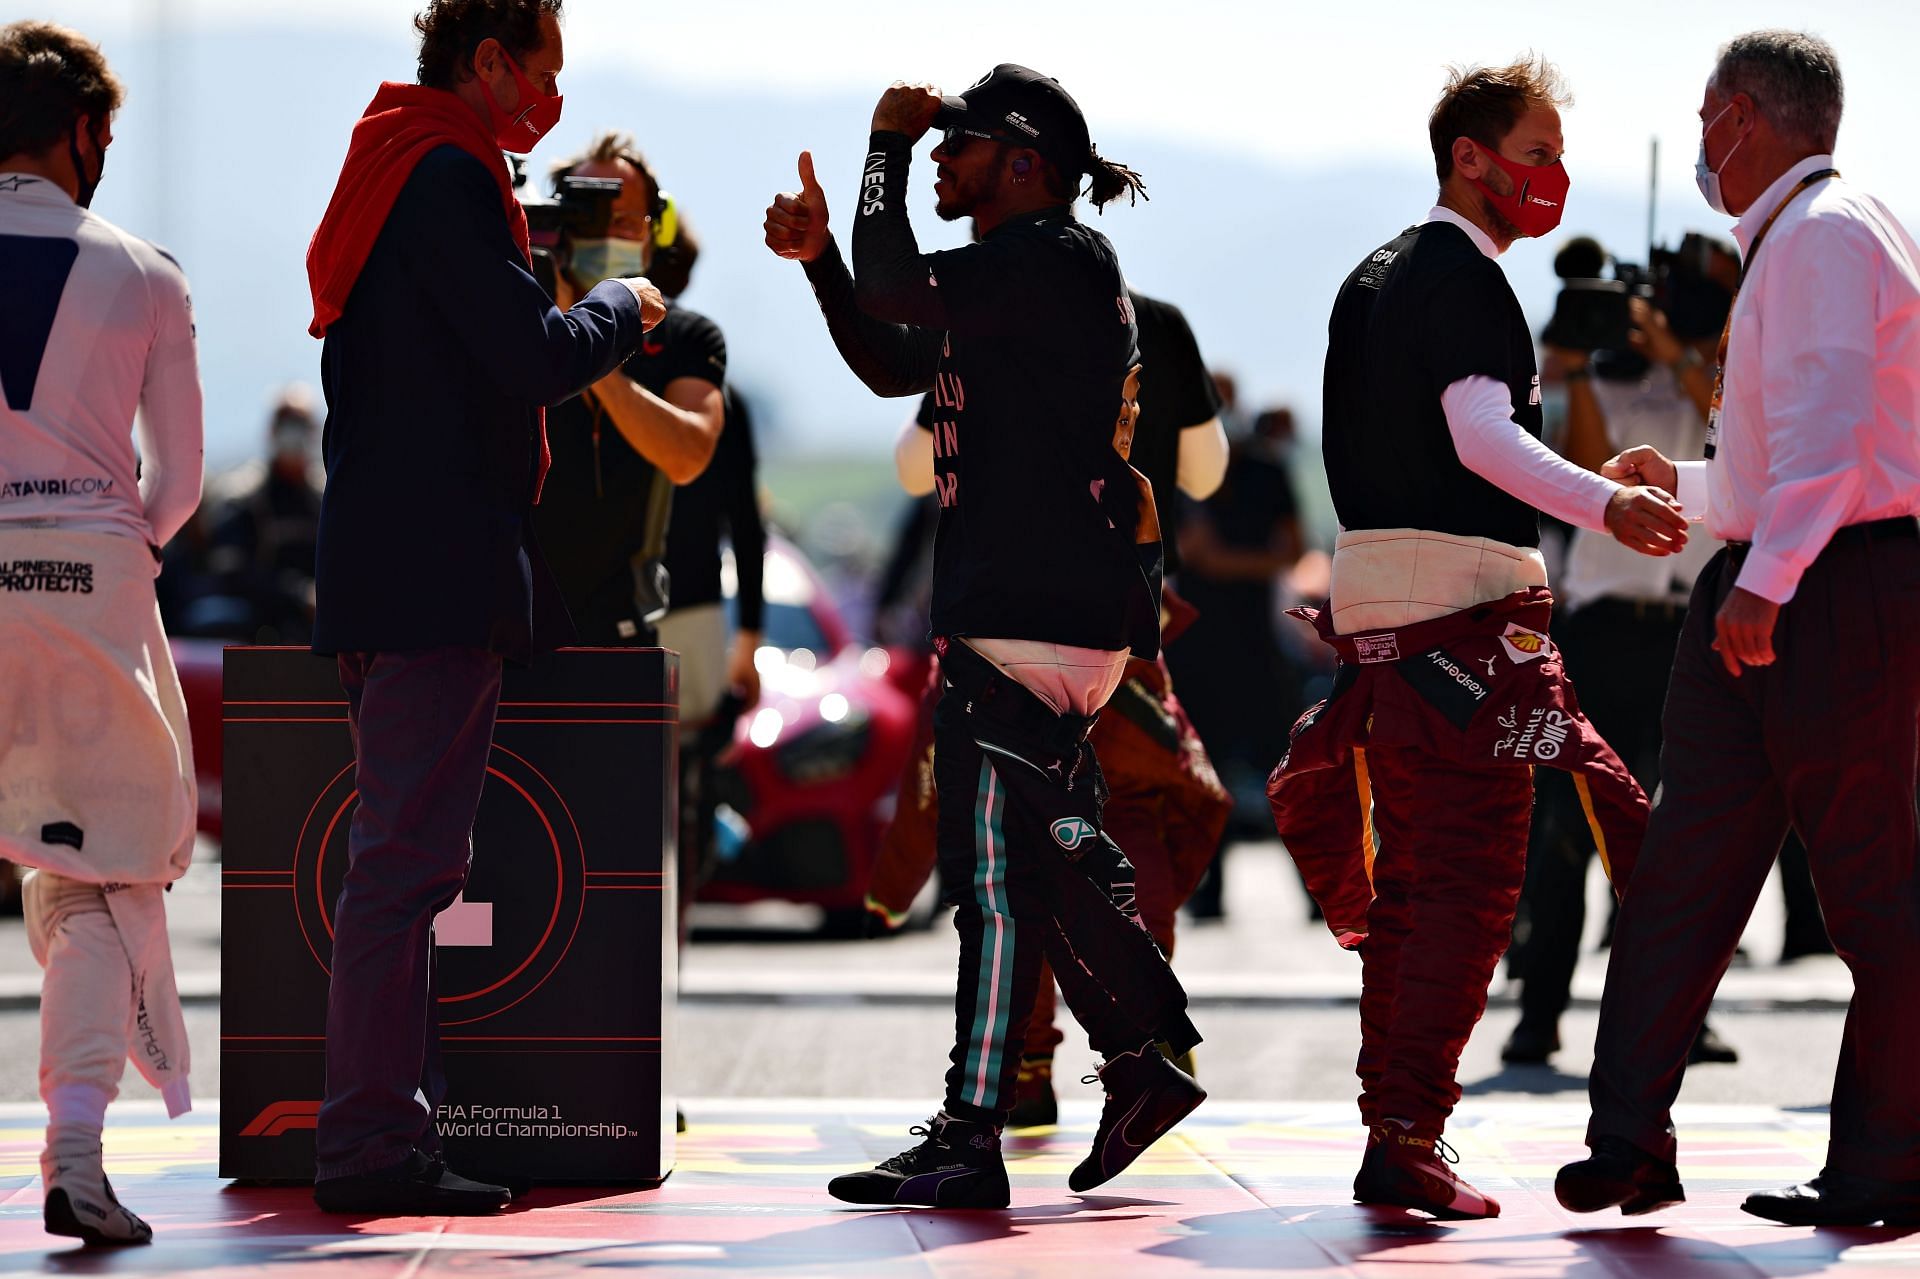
(893, 282)
(891, 359)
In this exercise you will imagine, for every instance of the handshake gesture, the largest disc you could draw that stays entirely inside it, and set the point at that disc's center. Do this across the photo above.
(1644, 515)
(1743, 628)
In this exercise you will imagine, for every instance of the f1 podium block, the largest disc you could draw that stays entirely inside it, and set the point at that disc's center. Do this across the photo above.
(557, 966)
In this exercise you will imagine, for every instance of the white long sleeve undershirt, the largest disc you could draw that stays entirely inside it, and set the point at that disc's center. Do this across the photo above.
(1202, 463)
(1493, 446)
(913, 458)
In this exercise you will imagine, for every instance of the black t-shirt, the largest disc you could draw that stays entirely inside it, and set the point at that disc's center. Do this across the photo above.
(1176, 393)
(1417, 315)
(725, 495)
(1025, 339)
(1023, 414)
(592, 516)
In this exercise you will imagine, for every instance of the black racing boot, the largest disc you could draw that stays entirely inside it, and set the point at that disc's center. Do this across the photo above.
(1146, 1096)
(957, 1166)
(1405, 1170)
(1034, 1102)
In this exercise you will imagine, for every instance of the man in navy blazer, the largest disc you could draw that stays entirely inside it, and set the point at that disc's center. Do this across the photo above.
(442, 352)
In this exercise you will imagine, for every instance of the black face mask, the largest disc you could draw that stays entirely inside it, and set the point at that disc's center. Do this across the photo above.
(87, 186)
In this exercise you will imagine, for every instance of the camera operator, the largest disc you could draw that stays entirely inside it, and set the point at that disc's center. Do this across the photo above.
(442, 351)
(1039, 597)
(1622, 610)
(653, 423)
(262, 545)
(96, 771)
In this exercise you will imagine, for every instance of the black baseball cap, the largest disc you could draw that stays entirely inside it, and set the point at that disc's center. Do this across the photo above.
(1022, 105)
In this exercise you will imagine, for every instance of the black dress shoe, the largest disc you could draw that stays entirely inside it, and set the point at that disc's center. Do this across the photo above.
(1839, 1199)
(1709, 1047)
(419, 1187)
(1530, 1045)
(1803, 942)
(1618, 1174)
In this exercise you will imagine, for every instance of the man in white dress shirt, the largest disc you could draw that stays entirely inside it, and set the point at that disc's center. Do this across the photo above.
(1796, 687)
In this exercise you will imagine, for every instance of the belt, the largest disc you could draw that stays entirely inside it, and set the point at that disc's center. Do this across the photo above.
(1641, 610)
(1896, 527)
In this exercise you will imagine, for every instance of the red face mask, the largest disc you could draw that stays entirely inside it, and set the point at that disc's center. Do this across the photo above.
(1538, 198)
(521, 130)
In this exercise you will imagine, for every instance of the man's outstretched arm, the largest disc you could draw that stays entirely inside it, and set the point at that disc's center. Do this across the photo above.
(891, 359)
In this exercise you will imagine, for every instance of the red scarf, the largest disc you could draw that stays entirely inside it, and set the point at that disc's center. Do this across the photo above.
(401, 125)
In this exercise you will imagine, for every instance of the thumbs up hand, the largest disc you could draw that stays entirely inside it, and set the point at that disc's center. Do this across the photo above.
(797, 220)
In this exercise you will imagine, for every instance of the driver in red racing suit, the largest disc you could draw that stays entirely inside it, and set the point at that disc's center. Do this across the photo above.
(1406, 796)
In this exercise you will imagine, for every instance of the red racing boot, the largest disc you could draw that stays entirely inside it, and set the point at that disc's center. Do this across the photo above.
(1404, 1170)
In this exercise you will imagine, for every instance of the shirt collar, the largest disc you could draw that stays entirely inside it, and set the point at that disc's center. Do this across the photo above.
(1064, 211)
(31, 186)
(1481, 240)
(1761, 209)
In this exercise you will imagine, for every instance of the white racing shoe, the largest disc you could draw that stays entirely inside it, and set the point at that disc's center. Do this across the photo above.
(80, 1203)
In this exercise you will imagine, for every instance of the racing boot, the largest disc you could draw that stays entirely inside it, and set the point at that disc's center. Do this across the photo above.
(1182, 1060)
(1034, 1103)
(1146, 1096)
(956, 1166)
(79, 1201)
(1404, 1170)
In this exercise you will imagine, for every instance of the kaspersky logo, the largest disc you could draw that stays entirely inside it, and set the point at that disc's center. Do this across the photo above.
(1071, 832)
(283, 1116)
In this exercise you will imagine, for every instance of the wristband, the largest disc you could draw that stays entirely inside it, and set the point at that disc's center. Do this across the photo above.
(1582, 374)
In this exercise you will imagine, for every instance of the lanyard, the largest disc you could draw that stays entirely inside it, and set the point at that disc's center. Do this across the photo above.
(1726, 331)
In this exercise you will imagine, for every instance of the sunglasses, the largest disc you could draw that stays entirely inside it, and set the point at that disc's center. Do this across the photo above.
(956, 139)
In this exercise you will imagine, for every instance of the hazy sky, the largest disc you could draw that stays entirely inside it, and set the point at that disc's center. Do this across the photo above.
(1280, 141)
(1284, 80)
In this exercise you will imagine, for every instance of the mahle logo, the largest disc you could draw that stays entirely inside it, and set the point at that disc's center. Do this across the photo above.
(1071, 832)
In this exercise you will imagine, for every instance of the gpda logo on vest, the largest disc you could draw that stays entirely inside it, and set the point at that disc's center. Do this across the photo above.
(1071, 832)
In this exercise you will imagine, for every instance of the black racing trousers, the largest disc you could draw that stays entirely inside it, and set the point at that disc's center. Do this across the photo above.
(1031, 876)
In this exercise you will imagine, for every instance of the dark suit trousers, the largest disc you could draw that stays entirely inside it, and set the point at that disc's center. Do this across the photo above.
(422, 728)
(1825, 741)
(1619, 656)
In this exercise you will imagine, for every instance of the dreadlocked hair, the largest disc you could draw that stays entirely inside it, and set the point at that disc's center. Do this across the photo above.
(1111, 181)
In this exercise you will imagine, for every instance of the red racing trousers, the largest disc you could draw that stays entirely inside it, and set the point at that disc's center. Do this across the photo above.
(1446, 880)
(1406, 799)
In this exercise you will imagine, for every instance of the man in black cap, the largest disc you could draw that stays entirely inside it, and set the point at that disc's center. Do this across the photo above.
(1039, 597)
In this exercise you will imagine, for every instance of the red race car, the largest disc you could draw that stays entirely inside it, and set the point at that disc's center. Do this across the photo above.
(806, 787)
